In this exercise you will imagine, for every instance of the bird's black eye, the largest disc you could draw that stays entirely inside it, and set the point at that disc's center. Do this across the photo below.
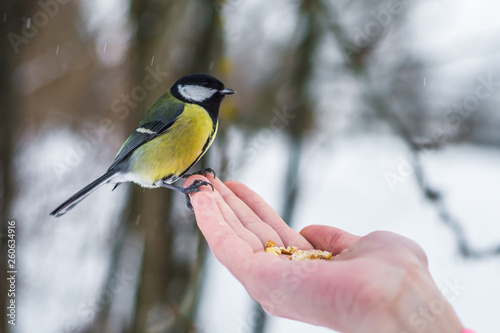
(204, 84)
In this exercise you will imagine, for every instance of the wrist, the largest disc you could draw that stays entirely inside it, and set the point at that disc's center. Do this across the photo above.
(423, 308)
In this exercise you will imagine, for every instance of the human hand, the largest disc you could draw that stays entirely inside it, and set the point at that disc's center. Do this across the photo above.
(376, 283)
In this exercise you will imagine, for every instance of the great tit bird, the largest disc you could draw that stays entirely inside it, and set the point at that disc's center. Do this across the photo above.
(173, 135)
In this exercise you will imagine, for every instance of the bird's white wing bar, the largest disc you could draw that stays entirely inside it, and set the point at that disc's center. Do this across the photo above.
(145, 130)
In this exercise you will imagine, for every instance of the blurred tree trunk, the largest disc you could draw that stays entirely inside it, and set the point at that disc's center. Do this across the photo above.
(296, 75)
(7, 110)
(178, 38)
(11, 13)
(298, 98)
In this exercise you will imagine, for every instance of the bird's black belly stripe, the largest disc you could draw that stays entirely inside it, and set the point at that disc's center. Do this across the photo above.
(199, 156)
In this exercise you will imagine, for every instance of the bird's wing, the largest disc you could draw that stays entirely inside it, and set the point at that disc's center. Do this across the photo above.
(147, 130)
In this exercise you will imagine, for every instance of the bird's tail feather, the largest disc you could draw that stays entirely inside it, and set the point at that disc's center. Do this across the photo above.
(82, 194)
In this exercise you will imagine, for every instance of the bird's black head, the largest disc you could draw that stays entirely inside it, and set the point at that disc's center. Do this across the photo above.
(202, 89)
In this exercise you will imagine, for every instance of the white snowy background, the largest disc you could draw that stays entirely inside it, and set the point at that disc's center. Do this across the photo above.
(60, 280)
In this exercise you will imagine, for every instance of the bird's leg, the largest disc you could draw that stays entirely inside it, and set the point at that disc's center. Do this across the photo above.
(194, 187)
(203, 172)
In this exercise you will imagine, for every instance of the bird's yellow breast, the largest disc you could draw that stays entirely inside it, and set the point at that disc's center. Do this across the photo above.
(171, 153)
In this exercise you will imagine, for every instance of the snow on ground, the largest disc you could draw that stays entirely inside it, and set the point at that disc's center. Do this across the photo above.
(62, 262)
(346, 187)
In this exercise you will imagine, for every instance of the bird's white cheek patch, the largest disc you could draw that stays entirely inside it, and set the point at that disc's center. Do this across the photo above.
(196, 93)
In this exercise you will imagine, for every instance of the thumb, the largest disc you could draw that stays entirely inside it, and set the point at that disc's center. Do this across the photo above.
(327, 238)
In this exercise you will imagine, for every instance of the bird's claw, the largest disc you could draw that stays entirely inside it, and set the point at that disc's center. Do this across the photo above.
(203, 172)
(193, 188)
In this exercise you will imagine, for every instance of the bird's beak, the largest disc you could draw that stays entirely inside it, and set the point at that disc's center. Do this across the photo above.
(227, 91)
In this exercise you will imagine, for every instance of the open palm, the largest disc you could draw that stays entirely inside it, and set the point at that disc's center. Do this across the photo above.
(364, 288)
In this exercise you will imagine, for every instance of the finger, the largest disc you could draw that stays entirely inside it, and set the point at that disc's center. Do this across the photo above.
(327, 238)
(247, 216)
(267, 214)
(227, 246)
(189, 181)
(229, 216)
